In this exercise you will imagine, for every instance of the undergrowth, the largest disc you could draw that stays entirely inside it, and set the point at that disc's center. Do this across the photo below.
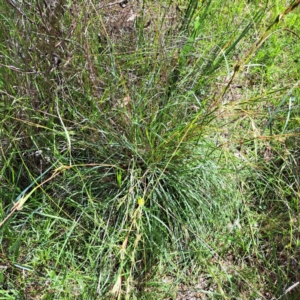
(149, 150)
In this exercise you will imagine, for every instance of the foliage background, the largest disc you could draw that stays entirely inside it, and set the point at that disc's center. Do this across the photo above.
(149, 150)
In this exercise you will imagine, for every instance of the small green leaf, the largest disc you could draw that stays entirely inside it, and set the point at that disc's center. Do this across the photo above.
(119, 177)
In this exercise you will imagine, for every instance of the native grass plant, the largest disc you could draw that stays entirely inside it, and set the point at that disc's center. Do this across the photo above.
(149, 150)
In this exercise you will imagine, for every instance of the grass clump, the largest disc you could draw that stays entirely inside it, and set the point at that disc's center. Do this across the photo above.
(149, 150)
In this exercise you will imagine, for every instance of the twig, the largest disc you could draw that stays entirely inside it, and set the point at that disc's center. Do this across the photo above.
(18, 69)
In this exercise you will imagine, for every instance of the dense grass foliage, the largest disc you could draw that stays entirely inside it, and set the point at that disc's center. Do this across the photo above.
(149, 150)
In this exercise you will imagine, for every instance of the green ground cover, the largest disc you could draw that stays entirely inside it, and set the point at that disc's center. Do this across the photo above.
(149, 150)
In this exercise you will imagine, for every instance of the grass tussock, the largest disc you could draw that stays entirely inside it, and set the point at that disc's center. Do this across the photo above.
(149, 150)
